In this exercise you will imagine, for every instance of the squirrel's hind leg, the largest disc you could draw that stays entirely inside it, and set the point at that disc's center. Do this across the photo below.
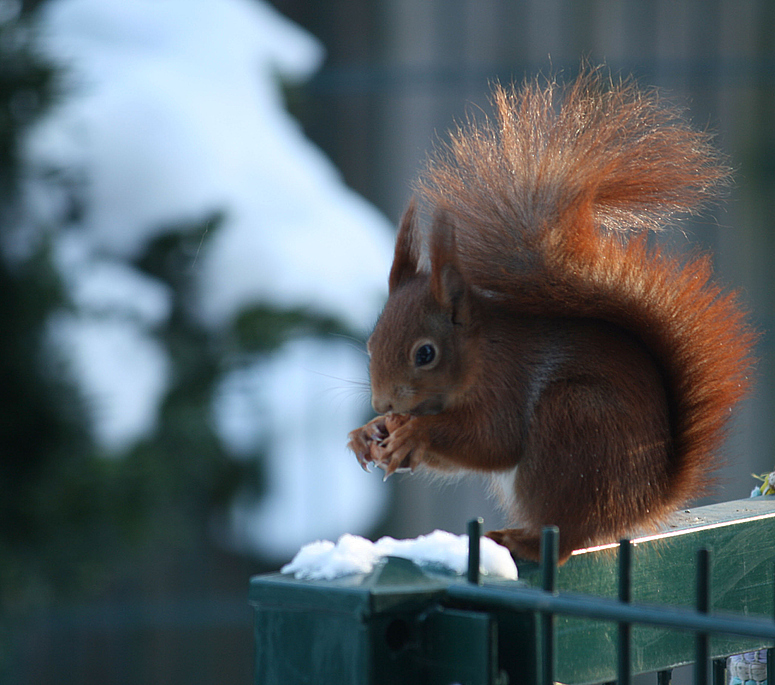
(519, 542)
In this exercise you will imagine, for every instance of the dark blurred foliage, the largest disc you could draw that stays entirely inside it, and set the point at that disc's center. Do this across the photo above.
(44, 442)
(69, 516)
(91, 542)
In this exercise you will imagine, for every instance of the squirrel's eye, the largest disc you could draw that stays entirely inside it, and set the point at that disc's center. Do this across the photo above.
(425, 355)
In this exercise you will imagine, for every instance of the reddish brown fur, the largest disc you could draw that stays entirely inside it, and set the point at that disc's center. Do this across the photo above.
(566, 344)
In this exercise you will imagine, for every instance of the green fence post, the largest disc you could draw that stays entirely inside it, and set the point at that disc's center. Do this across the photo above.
(474, 533)
(625, 555)
(703, 606)
(549, 551)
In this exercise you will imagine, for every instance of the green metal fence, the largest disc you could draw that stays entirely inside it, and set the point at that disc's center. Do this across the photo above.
(647, 605)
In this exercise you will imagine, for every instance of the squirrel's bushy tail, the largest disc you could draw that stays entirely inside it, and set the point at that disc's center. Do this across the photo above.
(552, 203)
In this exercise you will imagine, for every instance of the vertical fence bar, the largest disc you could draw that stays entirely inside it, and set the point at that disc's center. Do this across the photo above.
(474, 533)
(771, 650)
(549, 553)
(625, 585)
(703, 606)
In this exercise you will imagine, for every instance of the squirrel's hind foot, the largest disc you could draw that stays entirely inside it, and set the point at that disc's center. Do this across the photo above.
(523, 544)
(518, 541)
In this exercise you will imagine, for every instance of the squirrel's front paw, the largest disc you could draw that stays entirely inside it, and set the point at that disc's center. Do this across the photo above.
(364, 439)
(387, 442)
(398, 451)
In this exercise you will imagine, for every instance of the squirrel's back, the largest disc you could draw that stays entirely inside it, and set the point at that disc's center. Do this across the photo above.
(552, 204)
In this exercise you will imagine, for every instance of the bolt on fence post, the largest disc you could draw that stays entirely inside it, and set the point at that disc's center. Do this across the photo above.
(474, 533)
(625, 584)
(703, 606)
(549, 553)
(665, 677)
(718, 671)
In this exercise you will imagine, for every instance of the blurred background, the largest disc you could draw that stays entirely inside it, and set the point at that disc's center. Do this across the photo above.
(196, 209)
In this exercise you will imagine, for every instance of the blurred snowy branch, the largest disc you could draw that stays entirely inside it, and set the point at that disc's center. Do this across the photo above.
(173, 113)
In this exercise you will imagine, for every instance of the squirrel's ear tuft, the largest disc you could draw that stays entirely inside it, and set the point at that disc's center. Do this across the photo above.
(405, 257)
(447, 284)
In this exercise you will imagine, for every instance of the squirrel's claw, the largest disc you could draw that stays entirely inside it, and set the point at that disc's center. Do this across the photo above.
(396, 453)
(359, 444)
(364, 459)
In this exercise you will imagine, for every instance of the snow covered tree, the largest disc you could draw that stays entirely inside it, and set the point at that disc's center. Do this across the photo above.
(178, 280)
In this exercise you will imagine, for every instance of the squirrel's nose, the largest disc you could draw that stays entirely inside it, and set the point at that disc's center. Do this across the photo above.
(381, 406)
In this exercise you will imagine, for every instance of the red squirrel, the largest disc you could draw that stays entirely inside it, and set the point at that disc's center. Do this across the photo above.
(533, 332)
